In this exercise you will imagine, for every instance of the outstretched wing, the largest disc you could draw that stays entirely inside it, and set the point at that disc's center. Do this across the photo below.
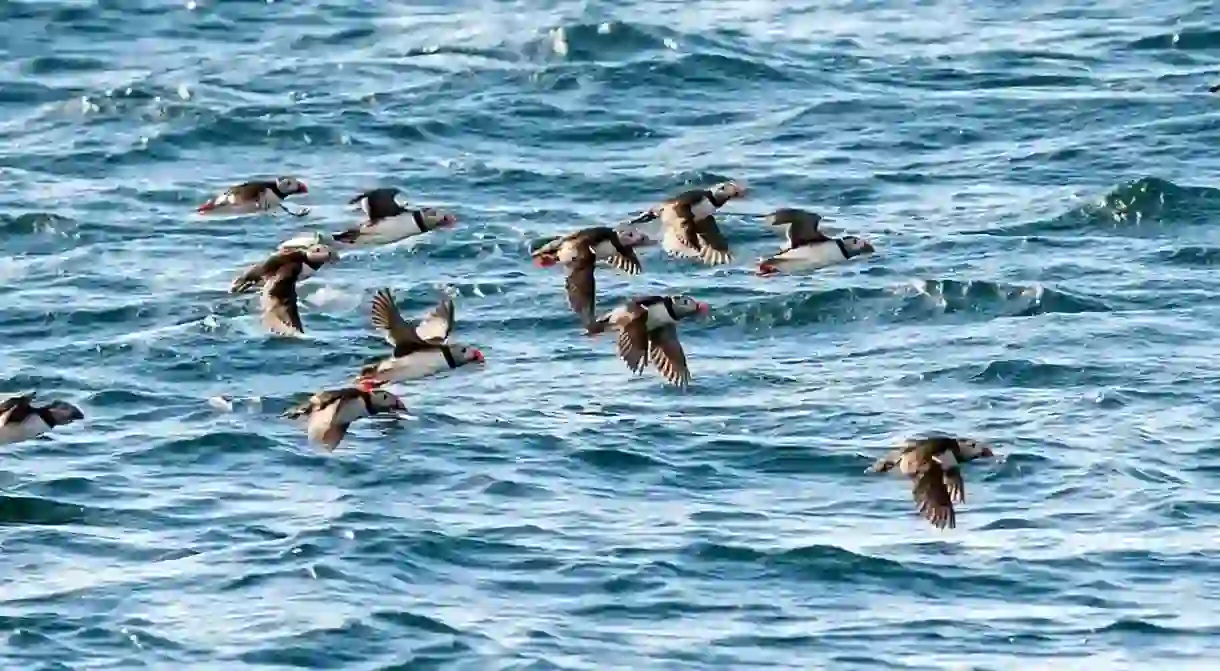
(382, 203)
(386, 317)
(279, 303)
(890, 459)
(932, 496)
(15, 409)
(667, 355)
(715, 249)
(581, 285)
(803, 226)
(624, 257)
(435, 326)
(684, 226)
(955, 485)
(633, 340)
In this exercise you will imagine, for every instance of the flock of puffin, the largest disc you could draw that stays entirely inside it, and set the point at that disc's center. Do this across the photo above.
(646, 326)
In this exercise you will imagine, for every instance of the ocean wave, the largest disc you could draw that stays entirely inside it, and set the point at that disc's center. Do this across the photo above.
(920, 300)
(38, 510)
(608, 41)
(1179, 40)
(1140, 207)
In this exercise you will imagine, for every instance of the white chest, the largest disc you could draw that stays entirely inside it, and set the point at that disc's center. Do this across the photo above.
(350, 411)
(390, 229)
(817, 255)
(412, 366)
(31, 427)
(658, 316)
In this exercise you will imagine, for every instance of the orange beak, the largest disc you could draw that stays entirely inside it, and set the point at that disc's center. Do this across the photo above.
(703, 308)
(304, 189)
(477, 356)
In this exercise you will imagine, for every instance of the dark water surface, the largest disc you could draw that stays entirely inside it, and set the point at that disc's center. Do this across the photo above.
(1042, 181)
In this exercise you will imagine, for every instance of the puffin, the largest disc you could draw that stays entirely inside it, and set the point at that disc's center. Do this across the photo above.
(332, 411)
(614, 246)
(934, 466)
(256, 196)
(808, 247)
(580, 251)
(310, 259)
(389, 221)
(647, 329)
(21, 420)
(688, 227)
(420, 348)
(1214, 89)
(280, 312)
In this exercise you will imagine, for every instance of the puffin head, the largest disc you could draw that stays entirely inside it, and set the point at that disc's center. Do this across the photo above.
(383, 401)
(435, 218)
(464, 354)
(726, 190)
(685, 305)
(632, 237)
(857, 246)
(290, 185)
(973, 449)
(320, 253)
(64, 412)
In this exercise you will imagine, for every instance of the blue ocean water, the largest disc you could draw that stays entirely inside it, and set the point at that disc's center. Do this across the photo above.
(1041, 180)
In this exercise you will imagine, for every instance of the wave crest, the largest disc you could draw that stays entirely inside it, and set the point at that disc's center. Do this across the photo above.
(1127, 207)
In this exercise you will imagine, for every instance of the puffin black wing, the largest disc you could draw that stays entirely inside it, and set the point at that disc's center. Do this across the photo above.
(582, 286)
(281, 313)
(715, 248)
(932, 496)
(690, 197)
(408, 337)
(398, 332)
(624, 257)
(435, 326)
(955, 485)
(379, 203)
(687, 231)
(633, 340)
(15, 409)
(257, 273)
(667, 355)
(802, 225)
